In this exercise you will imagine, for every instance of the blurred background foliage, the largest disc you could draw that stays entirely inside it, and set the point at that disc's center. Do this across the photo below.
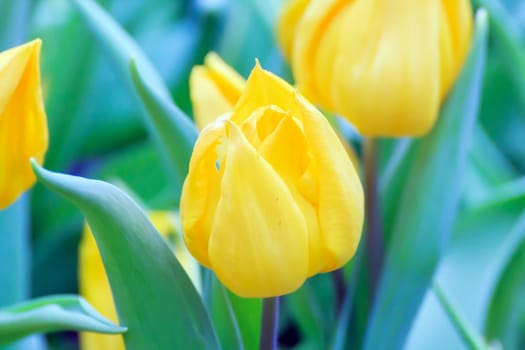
(97, 131)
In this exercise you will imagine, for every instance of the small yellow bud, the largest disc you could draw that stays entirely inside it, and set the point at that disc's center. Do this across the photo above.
(215, 87)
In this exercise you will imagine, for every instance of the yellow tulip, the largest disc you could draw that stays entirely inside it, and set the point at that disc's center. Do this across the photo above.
(215, 87)
(23, 124)
(94, 285)
(271, 197)
(384, 65)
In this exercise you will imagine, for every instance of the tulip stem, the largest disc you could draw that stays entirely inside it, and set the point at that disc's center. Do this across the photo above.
(339, 284)
(374, 236)
(269, 322)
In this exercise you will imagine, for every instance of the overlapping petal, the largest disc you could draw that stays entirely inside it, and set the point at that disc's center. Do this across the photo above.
(259, 231)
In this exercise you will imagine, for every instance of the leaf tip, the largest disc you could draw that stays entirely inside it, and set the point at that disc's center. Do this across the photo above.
(37, 169)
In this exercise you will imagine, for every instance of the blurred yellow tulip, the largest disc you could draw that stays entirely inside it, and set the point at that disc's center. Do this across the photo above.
(271, 196)
(215, 87)
(23, 124)
(94, 285)
(384, 65)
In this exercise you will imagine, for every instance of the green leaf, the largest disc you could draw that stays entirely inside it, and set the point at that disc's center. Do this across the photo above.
(224, 317)
(51, 314)
(508, 33)
(487, 168)
(305, 306)
(137, 167)
(154, 94)
(154, 297)
(506, 317)
(470, 336)
(173, 128)
(14, 253)
(392, 180)
(428, 206)
(340, 333)
(121, 47)
(237, 320)
(484, 239)
(248, 312)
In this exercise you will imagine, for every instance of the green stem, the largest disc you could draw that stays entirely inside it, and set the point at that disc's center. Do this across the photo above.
(269, 323)
(472, 339)
(374, 235)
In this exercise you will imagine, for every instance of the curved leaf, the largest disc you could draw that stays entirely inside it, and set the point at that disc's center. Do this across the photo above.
(154, 297)
(428, 206)
(50, 314)
(14, 253)
(506, 318)
(175, 131)
(484, 239)
(508, 32)
(172, 130)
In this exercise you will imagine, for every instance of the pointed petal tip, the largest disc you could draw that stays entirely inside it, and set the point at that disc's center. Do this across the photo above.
(36, 43)
(210, 57)
(257, 69)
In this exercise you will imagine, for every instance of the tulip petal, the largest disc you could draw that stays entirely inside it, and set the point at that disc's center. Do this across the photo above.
(230, 82)
(263, 89)
(393, 85)
(214, 89)
(457, 25)
(286, 150)
(385, 66)
(340, 197)
(200, 192)
(269, 256)
(313, 53)
(23, 125)
(286, 27)
(207, 101)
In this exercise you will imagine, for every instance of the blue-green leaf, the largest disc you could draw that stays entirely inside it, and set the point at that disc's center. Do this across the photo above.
(469, 335)
(506, 317)
(485, 238)
(154, 297)
(51, 314)
(237, 320)
(166, 118)
(428, 206)
(14, 253)
(509, 35)
(175, 131)
(223, 316)
(121, 47)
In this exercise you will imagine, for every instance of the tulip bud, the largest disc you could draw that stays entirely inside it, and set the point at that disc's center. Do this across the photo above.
(384, 65)
(23, 124)
(214, 89)
(94, 285)
(271, 197)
